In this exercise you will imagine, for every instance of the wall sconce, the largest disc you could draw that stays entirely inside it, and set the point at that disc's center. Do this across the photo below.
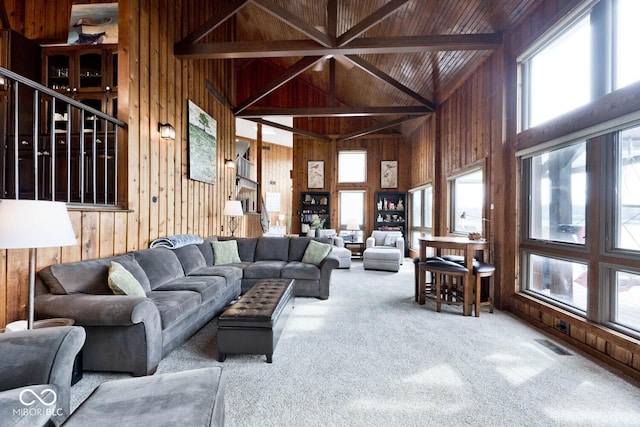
(166, 131)
(229, 164)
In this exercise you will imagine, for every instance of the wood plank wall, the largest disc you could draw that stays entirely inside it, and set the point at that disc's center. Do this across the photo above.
(277, 164)
(377, 148)
(154, 87)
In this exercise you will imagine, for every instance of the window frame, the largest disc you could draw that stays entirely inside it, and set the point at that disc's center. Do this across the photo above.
(423, 229)
(365, 155)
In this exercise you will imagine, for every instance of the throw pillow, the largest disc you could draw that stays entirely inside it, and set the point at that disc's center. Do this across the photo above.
(225, 252)
(390, 240)
(316, 252)
(122, 282)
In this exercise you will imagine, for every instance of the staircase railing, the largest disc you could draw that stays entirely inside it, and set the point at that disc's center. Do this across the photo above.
(55, 147)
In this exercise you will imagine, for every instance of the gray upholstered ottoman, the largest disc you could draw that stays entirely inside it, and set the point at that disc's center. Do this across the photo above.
(254, 323)
(188, 398)
(381, 259)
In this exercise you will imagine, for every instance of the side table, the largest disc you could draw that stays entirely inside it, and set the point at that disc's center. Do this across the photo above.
(356, 248)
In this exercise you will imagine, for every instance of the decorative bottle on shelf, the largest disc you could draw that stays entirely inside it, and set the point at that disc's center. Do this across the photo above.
(379, 205)
(379, 219)
(384, 204)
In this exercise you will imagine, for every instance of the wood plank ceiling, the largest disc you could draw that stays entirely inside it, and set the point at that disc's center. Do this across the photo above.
(390, 60)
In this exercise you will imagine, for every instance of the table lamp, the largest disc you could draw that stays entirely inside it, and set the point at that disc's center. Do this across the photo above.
(233, 209)
(34, 224)
(353, 225)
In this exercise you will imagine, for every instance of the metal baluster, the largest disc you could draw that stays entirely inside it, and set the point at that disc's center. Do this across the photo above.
(16, 159)
(53, 149)
(36, 119)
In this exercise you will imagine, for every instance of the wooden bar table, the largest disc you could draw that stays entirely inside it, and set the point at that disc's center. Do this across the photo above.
(464, 244)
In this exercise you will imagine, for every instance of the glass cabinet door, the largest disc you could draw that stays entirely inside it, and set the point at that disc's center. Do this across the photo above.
(90, 73)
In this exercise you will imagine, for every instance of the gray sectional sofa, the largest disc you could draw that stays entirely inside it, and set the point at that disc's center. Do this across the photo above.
(184, 290)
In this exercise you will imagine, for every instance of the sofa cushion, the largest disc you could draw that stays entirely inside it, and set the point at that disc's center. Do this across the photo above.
(206, 249)
(272, 249)
(247, 248)
(191, 258)
(301, 271)
(316, 252)
(173, 304)
(208, 287)
(122, 282)
(161, 265)
(89, 276)
(264, 269)
(230, 272)
(225, 252)
(297, 247)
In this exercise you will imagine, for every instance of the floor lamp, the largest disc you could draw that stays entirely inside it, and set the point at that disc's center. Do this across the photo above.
(233, 209)
(32, 224)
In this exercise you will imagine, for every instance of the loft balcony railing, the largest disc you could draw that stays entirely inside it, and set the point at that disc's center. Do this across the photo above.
(55, 147)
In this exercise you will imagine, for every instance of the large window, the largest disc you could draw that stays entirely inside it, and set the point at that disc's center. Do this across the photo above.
(467, 198)
(352, 167)
(588, 58)
(421, 205)
(567, 195)
(558, 195)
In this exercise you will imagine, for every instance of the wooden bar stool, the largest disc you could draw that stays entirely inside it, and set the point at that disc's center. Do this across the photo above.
(480, 271)
(449, 280)
(421, 279)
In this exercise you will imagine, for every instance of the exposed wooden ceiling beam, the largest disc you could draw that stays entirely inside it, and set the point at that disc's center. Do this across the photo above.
(335, 111)
(290, 129)
(370, 21)
(370, 45)
(376, 72)
(214, 22)
(294, 22)
(375, 128)
(291, 73)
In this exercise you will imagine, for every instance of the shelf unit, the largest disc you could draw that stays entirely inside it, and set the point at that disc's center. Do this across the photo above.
(390, 213)
(314, 203)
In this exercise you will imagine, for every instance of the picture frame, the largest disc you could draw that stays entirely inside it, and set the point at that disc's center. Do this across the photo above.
(315, 174)
(389, 174)
(202, 141)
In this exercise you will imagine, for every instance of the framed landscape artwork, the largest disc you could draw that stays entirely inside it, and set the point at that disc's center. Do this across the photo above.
(389, 174)
(202, 144)
(315, 174)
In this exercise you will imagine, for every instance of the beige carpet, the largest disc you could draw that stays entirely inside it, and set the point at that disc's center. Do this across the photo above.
(371, 356)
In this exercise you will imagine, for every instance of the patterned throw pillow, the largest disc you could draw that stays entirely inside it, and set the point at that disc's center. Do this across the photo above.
(225, 252)
(122, 282)
(390, 240)
(316, 252)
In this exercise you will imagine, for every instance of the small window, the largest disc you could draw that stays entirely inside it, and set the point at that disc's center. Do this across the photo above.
(562, 281)
(627, 194)
(625, 301)
(421, 216)
(467, 196)
(627, 34)
(352, 167)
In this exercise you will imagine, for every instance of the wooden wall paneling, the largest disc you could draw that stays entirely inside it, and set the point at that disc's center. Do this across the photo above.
(107, 234)
(73, 253)
(90, 235)
(144, 162)
(129, 49)
(17, 283)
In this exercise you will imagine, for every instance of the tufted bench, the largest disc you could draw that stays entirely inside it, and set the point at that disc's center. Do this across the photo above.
(254, 323)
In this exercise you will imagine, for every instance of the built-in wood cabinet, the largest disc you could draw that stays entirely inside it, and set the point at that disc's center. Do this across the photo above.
(88, 74)
(315, 205)
(390, 212)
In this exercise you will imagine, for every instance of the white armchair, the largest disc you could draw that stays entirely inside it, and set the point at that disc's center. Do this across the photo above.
(386, 239)
(344, 254)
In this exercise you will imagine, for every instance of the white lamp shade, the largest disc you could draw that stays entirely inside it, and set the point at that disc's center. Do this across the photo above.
(233, 208)
(353, 224)
(34, 224)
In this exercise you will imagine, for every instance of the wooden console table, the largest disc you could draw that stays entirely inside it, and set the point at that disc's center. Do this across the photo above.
(468, 247)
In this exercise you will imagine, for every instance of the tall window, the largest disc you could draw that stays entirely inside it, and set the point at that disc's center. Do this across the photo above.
(421, 214)
(351, 207)
(628, 190)
(627, 34)
(467, 198)
(352, 167)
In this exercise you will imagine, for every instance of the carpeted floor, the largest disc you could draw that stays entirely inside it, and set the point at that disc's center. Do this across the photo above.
(371, 356)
